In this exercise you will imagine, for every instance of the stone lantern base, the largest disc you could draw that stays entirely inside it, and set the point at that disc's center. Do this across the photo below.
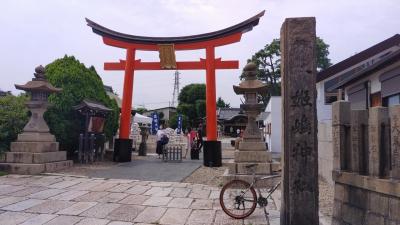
(251, 153)
(35, 153)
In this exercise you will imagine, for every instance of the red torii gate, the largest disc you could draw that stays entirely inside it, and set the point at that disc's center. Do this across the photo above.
(167, 46)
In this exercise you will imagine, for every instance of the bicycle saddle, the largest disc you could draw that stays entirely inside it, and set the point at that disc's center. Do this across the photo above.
(250, 166)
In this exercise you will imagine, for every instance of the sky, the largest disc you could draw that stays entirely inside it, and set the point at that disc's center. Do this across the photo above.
(36, 33)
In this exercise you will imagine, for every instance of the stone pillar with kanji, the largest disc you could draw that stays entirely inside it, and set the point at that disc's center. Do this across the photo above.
(300, 159)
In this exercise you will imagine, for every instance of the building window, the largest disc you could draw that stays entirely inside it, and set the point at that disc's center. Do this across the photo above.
(331, 97)
(392, 100)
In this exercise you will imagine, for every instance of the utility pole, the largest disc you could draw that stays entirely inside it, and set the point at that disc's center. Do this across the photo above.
(175, 94)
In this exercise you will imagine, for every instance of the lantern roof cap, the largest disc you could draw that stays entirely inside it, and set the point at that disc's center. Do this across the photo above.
(39, 83)
(250, 82)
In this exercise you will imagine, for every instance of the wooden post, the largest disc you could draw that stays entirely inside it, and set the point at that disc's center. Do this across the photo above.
(125, 120)
(211, 107)
(300, 160)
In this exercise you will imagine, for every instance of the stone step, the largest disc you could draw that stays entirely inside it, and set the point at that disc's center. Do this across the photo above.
(22, 168)
(252, 156)
(28, 157)
(267, 183)
(252, 146)
(36, 137)
(22, 146)
(261, 168)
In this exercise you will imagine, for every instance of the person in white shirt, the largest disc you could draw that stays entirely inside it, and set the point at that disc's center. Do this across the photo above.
(159, 134)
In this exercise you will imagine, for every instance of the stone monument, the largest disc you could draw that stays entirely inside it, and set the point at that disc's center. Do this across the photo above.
(36, 150)
(300, 159)
(252, 149)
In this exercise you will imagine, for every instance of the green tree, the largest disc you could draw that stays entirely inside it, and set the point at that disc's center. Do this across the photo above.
(141, 110)
(78, 82)
(13, 117)
(173, 122)
(222, 104)
(192, 102)
(268, 61)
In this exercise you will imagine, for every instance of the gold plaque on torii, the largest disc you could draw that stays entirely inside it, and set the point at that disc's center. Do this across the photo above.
(167, 56)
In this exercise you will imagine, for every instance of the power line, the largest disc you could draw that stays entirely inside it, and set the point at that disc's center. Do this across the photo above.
(175, 94)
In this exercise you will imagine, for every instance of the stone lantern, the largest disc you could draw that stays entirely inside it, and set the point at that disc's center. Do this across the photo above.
(36, 150)
(39, 90)
(252, 148)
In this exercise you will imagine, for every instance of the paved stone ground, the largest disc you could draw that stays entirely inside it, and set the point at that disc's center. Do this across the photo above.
(141, 168)
(65, 199)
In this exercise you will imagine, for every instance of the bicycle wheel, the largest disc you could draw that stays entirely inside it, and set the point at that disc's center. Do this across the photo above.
(238, 199)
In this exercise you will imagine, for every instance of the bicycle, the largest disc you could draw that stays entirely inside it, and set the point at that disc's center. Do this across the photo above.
(238, 198)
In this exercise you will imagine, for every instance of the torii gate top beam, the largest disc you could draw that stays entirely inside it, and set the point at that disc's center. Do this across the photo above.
(230, 35)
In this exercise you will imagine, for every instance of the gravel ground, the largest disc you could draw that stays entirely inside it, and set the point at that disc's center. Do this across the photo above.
(206, 175)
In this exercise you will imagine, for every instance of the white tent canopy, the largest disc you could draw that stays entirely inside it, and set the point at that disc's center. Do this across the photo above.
(138, 118)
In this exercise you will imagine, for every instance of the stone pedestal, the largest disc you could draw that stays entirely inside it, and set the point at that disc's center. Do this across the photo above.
(35, 153)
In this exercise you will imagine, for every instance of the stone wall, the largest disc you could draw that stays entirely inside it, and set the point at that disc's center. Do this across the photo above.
(366, 164)
(325, 153)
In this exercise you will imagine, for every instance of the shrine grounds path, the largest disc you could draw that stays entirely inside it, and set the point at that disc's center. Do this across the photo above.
(67, 199)
(141, 168)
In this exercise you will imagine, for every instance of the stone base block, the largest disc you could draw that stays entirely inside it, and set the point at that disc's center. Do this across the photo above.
(55, 166)
(28, 157)
(36, 137)
(252, 156)
(240, 168)
(252, 146)
(266, 183)
(24, 168)
(20, 146)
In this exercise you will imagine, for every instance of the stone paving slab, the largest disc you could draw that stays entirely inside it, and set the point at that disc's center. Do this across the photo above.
(8, 200)
(93, 221)
(150, 215)
(77, 208)
(100, 210)
(69, 195)
(91, 196)
(64, 220)
(71, 200)
(126, 213)
(11, 218)
(39, 219)
(23, 205)
(50, 206)
(175, 216)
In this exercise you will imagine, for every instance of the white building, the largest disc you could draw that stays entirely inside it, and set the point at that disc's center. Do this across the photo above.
(328, 92)
(273, 125)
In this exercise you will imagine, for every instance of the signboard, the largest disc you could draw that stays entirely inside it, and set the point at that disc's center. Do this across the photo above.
(179, 124)
(154, 123)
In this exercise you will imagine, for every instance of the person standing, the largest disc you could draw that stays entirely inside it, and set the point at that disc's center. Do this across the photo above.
(159, 135)
(199, 141)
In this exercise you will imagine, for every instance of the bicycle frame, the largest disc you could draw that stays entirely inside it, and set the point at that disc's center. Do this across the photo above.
(253, 185)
